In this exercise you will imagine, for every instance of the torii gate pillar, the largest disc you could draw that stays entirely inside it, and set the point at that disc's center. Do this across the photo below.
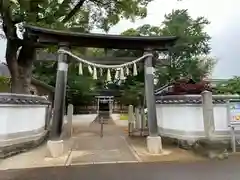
(154, 143)
(60, 93)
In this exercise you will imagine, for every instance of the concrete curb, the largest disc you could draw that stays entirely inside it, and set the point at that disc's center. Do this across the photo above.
(132, 149)
(104, 162)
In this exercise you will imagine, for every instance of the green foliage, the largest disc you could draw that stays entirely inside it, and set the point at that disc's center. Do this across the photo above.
(193, 67)
(232, 86)
(145, 30)
(188, 58)
(112, 11)
(80, 88)
(45, 71)
(92, 13)
(4, 84)
(133, 90)
(193, 40)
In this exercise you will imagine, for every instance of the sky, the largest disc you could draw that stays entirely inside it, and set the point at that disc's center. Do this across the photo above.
(224, 29)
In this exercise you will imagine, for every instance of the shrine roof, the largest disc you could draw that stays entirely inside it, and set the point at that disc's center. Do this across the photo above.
(54, 37)
(107, 93)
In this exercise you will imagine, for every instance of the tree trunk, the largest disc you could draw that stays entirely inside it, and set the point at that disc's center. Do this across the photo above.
(25, 63)
(11, 58)
(20, 67)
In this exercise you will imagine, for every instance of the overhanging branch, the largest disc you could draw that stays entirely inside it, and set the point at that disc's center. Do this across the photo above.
(65, 2)
(73, 11)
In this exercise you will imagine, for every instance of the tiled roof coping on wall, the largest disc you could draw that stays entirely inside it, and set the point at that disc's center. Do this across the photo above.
(189, 101)
(18, 99)
(195, 99)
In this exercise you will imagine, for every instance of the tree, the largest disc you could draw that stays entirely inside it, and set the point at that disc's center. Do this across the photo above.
(195, 68)
(187, 59)
(132, 90)
(80, 88)
(77, 15)
(231, 86)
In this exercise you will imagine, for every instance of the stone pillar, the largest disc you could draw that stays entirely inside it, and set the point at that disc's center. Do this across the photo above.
(67, 129)
(210, 147)
(98, 105)
(208, 115)
(130, 119)
(154, 143)
(48, 117)
(143, 120)
(138, 120)
(110, 106)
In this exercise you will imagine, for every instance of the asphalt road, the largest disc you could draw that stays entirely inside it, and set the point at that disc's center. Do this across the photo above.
(211, 170)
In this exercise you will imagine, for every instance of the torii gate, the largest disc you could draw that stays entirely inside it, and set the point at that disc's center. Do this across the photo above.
(65, 39)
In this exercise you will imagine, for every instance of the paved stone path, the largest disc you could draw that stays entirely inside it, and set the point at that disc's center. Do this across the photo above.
(89, 147)
(100, 150)
(208, 170)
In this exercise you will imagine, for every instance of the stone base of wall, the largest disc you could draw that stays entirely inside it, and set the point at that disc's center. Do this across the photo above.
(15, 149)
(213, 149)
